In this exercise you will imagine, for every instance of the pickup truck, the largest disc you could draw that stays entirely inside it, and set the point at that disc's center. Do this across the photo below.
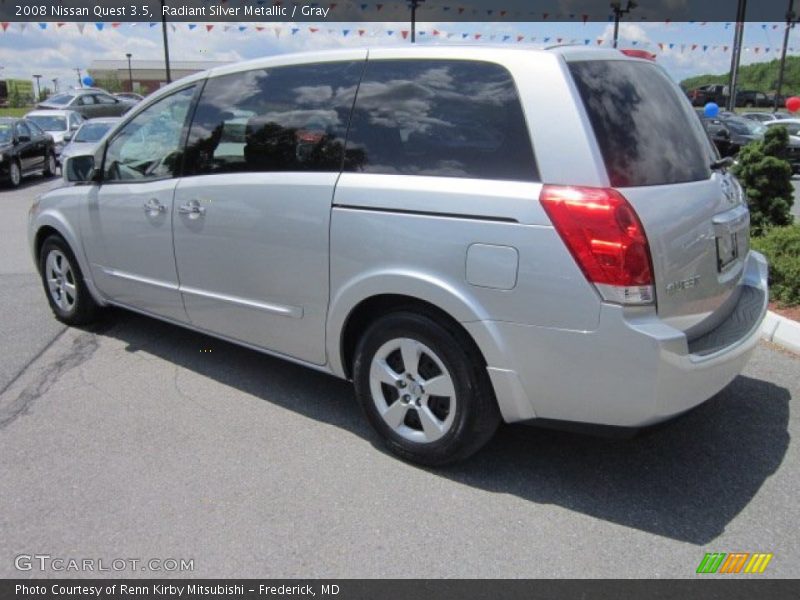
(711, 92)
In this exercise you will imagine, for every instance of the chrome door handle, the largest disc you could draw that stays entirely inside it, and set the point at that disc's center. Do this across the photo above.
(154, 207)
(192, 208)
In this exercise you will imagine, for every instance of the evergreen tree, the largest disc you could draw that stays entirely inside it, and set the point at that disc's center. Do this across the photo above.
(767, 180)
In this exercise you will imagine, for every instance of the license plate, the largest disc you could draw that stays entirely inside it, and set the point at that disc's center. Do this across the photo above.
(727, 250)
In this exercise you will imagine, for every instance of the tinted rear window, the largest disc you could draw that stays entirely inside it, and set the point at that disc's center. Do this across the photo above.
(647, 133)
(448, 118)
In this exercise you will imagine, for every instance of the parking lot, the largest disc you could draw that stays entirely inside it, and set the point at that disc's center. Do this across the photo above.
(137, 439)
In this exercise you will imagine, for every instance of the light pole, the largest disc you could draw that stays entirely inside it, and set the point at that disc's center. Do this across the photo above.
(38, 89)
(618, 12)
(741, 12)
(414, 5)
(166, 42)
(790, 20)
(55, 85)
(78, 71)
(130, 73)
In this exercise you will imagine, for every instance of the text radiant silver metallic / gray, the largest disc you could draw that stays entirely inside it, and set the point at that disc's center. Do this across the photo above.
(470, 235)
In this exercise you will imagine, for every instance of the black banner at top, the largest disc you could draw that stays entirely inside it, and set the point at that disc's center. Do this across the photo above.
(283, 11)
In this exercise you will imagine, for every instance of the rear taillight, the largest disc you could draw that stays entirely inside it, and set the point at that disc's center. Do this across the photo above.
(605, 237)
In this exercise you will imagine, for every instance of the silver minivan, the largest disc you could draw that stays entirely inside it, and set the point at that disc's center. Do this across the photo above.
(470, 235)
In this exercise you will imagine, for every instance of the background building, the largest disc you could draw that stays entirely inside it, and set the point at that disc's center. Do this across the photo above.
(146, 75)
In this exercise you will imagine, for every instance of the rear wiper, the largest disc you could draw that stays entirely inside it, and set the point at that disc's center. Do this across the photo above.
(722, 163)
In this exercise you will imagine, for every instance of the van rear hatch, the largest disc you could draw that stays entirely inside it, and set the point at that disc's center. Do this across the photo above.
(658, 156)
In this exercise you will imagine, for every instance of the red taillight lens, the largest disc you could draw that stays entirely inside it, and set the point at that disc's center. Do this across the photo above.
(605, 237)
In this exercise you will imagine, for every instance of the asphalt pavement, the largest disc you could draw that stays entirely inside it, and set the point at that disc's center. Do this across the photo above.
(134, 439)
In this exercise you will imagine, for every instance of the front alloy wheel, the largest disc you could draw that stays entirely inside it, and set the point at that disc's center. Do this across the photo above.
(63, 283)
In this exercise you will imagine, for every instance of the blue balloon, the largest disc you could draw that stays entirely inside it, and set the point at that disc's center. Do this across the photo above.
(88, 81)
(711, 110)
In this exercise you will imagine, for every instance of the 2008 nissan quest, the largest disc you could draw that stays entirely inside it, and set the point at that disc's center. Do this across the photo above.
(468, 234)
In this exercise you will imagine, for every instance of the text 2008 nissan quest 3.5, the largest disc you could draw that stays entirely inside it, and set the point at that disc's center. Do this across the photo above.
(470, 235)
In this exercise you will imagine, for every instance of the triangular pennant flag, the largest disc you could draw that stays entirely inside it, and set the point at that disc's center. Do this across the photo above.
(361, 32)
(192, 26)
(345, 32)
(42, 25)
(404, 33)
(60, 25)
(80, 27)
(520, 38)
(153, 25)
(313, 29)
(295, 30)
(4, 25)
(99, 26)
(209, 27)
(478, 36)
(115, 25)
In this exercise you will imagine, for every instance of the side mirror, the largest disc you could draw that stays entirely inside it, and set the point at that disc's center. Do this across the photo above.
(80, 169)
(68, 136)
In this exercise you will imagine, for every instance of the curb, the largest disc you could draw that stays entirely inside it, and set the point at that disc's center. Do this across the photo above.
(781, 331)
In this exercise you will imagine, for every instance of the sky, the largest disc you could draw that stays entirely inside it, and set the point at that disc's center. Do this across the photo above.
(55, 52)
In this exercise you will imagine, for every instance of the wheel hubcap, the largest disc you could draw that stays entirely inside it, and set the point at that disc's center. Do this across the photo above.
(15, 174)
(412, 390)
(60, 280)
(51, 164)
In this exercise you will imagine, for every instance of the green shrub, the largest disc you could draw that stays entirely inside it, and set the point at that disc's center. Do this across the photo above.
(767, 180)
(781, 245)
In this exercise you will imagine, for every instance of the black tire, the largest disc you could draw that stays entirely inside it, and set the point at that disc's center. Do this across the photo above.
(476, 413)
(83, 309)
(49, 165)
(14, 178)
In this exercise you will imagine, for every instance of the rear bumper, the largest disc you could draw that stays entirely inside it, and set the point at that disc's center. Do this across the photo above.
(633, 370)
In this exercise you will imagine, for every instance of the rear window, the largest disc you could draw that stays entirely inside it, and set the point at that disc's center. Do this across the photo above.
(647, 133)
(60, 99)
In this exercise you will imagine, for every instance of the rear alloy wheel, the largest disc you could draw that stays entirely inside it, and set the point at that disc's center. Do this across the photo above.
(14, 174)
(63, 283)
(50, 165)
(424, 388)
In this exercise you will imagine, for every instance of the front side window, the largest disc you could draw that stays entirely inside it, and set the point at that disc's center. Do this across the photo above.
(23, 131)
(449, 118)
(149, 146)
(103, 99)
(281, 119)
(35, 129)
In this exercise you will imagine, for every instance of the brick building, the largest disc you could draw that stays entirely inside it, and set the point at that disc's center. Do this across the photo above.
(147, 75)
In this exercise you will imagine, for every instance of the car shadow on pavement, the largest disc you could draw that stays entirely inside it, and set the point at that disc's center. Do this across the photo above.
(686, 479)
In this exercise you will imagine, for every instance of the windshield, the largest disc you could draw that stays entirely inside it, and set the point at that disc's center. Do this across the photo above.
(6, 134)
(91, 132)
(49, 123)
(60, 99)
(746, 126)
